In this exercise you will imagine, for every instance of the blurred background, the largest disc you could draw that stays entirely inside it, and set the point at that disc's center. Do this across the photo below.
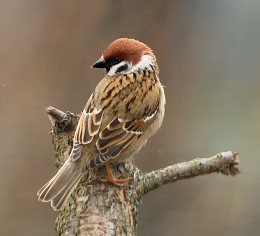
(209, 55)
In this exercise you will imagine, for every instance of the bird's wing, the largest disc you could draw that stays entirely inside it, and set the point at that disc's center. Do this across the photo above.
(121, 133)
(88, 126)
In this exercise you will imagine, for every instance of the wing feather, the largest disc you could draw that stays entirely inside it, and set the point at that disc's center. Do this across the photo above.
(88, 126)
(119, 134)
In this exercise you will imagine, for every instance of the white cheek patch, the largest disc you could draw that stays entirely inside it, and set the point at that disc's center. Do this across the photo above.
(145, 62)
(113, 69)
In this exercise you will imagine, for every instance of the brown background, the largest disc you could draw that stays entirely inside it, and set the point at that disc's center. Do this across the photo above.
(209, 55)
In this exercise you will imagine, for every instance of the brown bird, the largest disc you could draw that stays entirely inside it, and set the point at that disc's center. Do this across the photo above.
(126, 108)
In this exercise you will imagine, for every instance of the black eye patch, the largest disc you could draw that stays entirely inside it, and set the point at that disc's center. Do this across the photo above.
(122, 68)
(111, 62)
(115, 61)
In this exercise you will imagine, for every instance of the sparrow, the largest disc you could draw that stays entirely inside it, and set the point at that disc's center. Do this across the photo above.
(125, 109)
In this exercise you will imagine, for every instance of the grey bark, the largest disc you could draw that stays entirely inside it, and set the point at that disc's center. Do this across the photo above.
(97, 208)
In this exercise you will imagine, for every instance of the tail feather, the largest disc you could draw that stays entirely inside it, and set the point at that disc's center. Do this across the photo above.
(58, 201)
(41, 190)
(59, 188)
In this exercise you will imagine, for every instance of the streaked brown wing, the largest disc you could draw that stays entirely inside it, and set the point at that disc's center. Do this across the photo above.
(119, 135)
(88, 126)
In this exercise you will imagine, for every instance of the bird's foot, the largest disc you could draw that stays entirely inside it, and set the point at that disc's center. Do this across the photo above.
(116, 181)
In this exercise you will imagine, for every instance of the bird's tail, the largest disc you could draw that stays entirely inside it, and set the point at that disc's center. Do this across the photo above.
(59, 188)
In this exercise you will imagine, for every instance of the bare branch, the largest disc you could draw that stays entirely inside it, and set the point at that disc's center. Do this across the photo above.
(223, 162)
(62, 121)
(56, 115)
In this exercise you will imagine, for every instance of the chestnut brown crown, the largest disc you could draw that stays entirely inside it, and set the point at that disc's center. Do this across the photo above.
(127, 49)
(123, 54)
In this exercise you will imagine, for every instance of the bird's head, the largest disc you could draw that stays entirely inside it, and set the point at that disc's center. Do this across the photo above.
(124, 56)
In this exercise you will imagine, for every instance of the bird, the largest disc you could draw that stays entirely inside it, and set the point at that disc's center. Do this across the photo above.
(126, 108)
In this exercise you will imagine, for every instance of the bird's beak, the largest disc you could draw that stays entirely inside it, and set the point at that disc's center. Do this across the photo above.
(101, 63)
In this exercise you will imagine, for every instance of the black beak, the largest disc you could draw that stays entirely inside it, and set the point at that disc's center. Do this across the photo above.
(101, 63)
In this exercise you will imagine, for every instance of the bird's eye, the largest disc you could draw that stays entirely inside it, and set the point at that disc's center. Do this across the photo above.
(116, 60)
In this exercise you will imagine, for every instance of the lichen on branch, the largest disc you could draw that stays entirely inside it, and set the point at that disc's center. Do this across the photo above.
(224, 163)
